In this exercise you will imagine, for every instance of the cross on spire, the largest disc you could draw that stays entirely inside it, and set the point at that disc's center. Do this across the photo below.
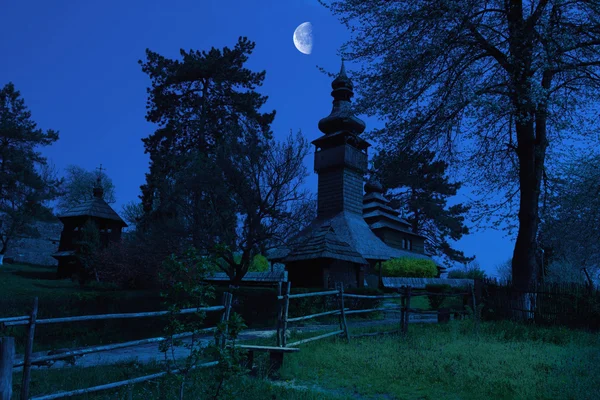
(98, 192)
(99, 169)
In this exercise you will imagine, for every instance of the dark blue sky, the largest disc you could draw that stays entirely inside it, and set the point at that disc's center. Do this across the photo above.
(75, 64)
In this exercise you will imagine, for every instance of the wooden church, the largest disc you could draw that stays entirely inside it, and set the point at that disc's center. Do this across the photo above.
(353, 231)
(97, 210)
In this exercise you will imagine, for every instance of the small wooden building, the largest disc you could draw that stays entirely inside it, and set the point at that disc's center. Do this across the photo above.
(97, 210)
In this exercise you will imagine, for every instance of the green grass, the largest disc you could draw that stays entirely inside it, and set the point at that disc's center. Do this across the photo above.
(505, 361)
(200, 385)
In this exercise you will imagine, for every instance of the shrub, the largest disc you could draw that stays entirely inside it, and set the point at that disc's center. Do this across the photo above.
(311, 305)
(409, 268)
(436, 301)
(259, 264)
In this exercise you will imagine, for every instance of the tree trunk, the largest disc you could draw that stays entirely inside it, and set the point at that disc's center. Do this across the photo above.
(3, 250)
(531, 152)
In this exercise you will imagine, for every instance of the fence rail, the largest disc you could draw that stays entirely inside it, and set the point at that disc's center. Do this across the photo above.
(8, 363)
(311, 294)
(114, 385)
(111, 316)
(405, 294)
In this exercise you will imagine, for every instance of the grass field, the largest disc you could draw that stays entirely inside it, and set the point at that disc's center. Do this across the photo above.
(503, 361)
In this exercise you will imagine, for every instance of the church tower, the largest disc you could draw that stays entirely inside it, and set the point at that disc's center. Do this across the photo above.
(340, 155)
(338, 245)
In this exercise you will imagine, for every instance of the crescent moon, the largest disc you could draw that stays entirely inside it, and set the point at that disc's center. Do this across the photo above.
(303, 39)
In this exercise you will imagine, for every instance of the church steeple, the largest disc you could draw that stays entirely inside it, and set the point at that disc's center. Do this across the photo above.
(341, 118)
(98, 190)
(341, 155)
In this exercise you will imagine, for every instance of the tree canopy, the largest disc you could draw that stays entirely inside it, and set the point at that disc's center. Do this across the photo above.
(27, 182)
(217, 179)
(78, 187)
(421, 183)
(496, 86)
(570, 228)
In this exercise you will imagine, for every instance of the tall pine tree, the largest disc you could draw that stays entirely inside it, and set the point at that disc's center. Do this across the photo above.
(416, 180)
(26, 181)
(200, 103)
(217, 179)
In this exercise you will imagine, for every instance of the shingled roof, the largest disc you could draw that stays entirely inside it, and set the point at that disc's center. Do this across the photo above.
(349, 228)
(323, 243)
(95, 207)
(252, 277)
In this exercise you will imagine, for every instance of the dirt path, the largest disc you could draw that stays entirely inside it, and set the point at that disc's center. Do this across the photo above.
(150, 353)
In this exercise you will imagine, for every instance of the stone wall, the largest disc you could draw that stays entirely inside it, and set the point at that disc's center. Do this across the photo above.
(36, 250)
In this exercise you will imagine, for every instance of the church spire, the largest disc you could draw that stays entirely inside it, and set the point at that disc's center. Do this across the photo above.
(341, 117)
(98, 190)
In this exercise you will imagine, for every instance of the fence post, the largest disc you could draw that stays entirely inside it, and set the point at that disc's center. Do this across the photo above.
(7, 360)
(28, 351)
(402, 309)
(407, 313)
(279, 308)
(475, 316)
(343, 313)
(226, 314)
(286, 308)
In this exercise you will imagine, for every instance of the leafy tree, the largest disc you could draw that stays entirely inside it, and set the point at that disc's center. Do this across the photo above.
(132, 212)
(183, 279)
(27, 183)
(421, 183)
(504, 270)
(78, 187)
(217, 179)
(570, 228)
(496, 85)
(471, 270)
(269, 202)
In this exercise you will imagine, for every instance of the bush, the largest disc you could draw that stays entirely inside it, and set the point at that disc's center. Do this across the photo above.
(436, 301)
(311, 305)
(409, 268)
(259, 264)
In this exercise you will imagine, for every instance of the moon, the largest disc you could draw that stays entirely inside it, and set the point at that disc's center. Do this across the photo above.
(303, 39)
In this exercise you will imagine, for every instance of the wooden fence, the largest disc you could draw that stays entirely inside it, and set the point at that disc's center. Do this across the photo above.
(567, 304)
(7, 348)
(7, 358)
(405, 294)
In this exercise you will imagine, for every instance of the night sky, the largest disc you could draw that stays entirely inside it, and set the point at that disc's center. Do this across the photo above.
(76, 65)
